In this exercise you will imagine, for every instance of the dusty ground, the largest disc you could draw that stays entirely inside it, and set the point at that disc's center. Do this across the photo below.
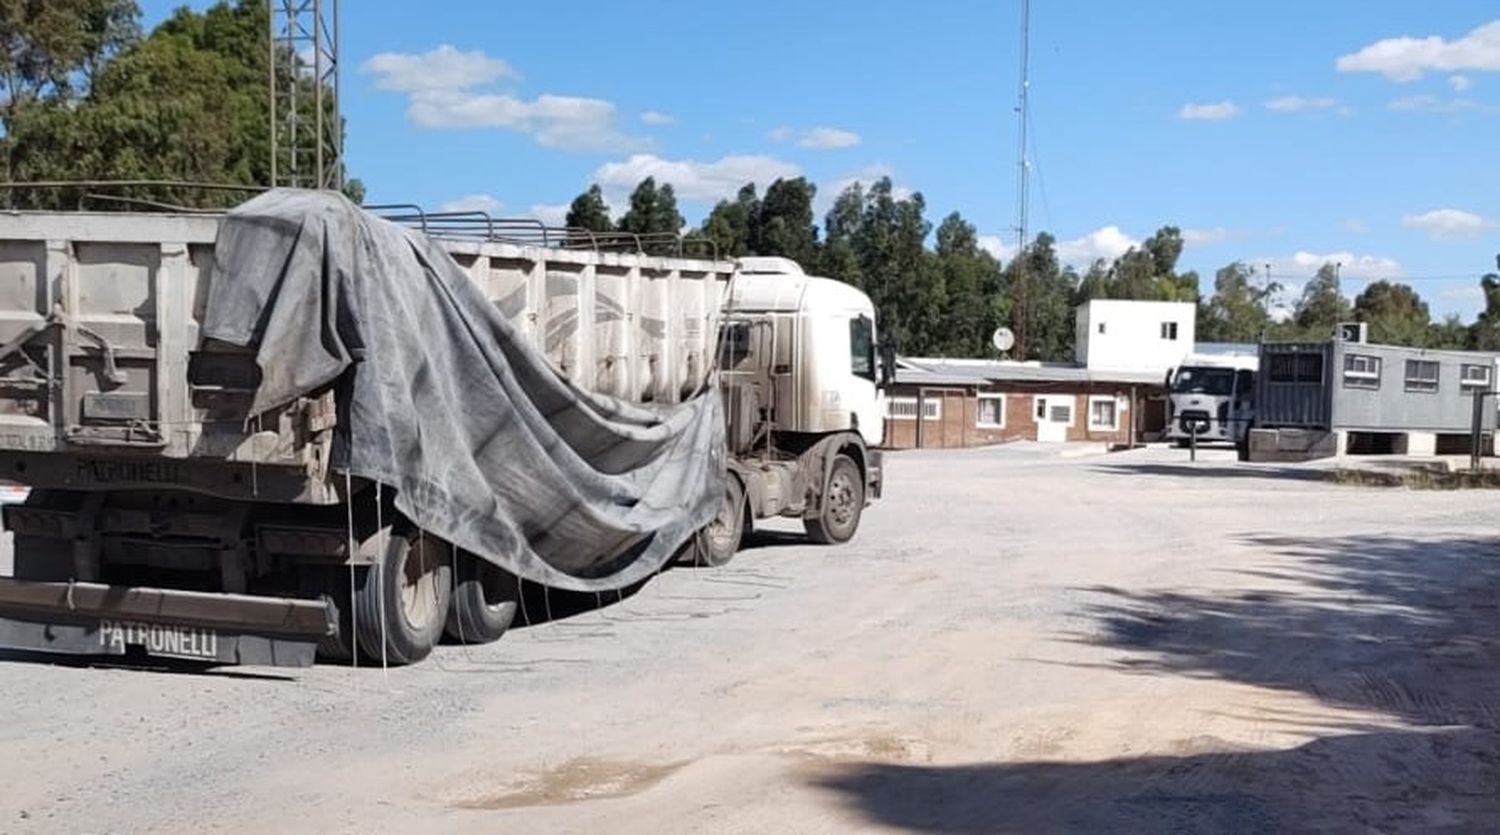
(1016, 642)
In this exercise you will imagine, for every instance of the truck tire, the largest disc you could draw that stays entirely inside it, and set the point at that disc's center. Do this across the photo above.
(843, 502)
(404, 607)
(718, 541)
(484, 602)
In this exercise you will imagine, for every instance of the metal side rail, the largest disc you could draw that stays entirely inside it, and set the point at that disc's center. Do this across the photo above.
(97, 619)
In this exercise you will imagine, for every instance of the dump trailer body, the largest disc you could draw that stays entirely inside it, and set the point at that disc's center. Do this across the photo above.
(146, 475)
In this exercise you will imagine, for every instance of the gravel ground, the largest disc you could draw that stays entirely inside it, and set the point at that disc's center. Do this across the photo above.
(1016, 642)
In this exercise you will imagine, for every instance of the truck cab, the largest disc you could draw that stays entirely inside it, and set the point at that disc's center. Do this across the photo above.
(1211, 399)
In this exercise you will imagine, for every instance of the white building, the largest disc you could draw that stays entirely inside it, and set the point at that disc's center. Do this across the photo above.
(1137, 336)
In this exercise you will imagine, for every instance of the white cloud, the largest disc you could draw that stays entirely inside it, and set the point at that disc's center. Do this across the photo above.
(1201, 237)
(829, 191)
(691, 179)
(1436, 105)
(1106, 242)
(473, 203)
(656, 117)
(822, 138)
(1217, 111)
(444, 68)
(566, 122)
(1356, 226)
(994, 245)
(552, 214)
(825, 138)
(440, 86)
(1408, 59)
(1444, 224)
(1460, 83)
(1355, 267)
(1293, 104)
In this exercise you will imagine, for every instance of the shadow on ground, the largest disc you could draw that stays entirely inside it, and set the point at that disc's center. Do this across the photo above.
(1213, 469)
(1408, 629)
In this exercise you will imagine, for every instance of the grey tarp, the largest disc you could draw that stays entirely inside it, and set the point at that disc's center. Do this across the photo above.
(484, 443)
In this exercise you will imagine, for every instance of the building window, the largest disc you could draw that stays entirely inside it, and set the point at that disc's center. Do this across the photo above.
(1104, 414)
(905, 408)
(1361, 371)
(862, 347)
(1474, 376)
(1101, 327)
(1169, 331)
(1421, 375)
(1297, 367)
(991, 411)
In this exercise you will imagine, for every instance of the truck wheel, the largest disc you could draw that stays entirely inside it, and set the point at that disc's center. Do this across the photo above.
(484, 602)
(718, 541)
(843, 502)
(405, 606)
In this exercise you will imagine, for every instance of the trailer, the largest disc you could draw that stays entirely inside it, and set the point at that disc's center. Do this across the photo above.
(166, 515)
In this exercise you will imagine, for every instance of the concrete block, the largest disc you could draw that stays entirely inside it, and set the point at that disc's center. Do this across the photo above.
(1417, 443)
(1288, 445)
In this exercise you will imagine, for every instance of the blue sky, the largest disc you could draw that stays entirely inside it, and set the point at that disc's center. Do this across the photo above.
(1275, 132)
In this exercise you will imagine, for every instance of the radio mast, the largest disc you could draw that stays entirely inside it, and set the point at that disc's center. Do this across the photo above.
(1018, 313)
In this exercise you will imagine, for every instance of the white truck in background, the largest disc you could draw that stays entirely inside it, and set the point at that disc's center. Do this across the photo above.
(1211, 398)
(158, 521)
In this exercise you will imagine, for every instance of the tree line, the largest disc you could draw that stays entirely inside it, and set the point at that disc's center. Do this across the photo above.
(85, 94)
(88, 96)
(943, 294)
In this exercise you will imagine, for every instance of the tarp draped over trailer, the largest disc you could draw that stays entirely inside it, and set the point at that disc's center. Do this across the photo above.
(442, 401)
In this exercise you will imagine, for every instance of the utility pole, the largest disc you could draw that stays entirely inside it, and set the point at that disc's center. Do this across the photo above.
(1018, 311)
(307, 130)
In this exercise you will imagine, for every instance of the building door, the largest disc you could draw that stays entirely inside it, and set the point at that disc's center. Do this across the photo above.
(1054, 415)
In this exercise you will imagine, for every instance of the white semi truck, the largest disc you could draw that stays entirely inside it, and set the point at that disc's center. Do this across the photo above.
(160, 520)
(1211, 398)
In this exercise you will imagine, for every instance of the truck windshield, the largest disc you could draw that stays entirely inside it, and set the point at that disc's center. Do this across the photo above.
(1212, 381)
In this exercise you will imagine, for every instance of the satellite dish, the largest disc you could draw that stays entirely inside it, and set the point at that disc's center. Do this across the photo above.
(1002, 339)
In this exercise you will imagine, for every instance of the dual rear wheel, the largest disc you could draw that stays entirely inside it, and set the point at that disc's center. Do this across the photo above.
(414, 594)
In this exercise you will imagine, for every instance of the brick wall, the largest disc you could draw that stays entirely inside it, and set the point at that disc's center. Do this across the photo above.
(959, 425)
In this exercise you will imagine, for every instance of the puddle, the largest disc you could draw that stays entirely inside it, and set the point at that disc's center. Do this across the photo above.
(575, 781)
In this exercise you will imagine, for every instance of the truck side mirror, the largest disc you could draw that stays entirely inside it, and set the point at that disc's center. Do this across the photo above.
(1168, 382)
(887, 363)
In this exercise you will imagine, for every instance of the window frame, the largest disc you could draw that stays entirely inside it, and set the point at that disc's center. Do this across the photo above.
(1295, 359)
(1114, 403)
(1463, 376)
(865, 327)
(1418, 385)
(932, 408)
(1366, 378)
(979, 422)
(1169, 331)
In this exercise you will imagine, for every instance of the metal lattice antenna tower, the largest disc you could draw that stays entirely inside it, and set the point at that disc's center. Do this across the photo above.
(307, 136)
(1018, 313)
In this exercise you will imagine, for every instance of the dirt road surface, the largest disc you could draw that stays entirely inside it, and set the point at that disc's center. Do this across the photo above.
(1016, 642)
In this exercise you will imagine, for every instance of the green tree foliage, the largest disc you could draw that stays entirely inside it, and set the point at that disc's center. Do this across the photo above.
(1322, 306)
(1451, 334)
(588, 211)
(1485, 334)
(974, 301)
(1238, 309)
(783, 223)
(728, 225)
(1395, 314)
(1051, 292)
(653, 211)
(1146, 272)
(93, 100)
